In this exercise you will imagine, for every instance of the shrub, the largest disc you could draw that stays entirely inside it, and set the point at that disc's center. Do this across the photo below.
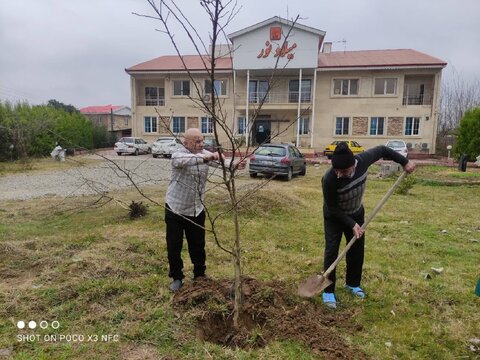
(406, 185)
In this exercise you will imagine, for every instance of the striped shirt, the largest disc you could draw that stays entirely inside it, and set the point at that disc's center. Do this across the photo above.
(186, 190)
(343, 196)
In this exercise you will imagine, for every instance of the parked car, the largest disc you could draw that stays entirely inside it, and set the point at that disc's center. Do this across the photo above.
(399, 146)
(211, 145)
(165, 146)
(132, 145)
(353, 145)
(277, 159)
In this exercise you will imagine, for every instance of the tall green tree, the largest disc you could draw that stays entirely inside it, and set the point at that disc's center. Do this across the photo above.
(468, 134)
(61, 106)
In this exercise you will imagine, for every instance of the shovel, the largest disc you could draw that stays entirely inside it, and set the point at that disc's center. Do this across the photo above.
(315, 284)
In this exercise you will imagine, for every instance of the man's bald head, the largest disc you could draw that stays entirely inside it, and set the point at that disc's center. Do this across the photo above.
(193, 140)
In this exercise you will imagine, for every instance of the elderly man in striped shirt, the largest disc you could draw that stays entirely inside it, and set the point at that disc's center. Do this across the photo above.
(184, 205)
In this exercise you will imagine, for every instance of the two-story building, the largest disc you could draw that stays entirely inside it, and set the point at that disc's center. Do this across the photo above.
(114, 118)
(307, 96)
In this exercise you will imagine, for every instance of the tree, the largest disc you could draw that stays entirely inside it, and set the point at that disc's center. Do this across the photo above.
(457, 97)
(468, 134)
(34, 130)
(219, 14)
(61, 106)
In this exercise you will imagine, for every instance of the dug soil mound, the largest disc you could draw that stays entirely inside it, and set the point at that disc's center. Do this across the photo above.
(270, 311)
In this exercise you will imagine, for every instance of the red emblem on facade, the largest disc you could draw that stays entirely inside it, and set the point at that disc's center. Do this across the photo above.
(275, 33)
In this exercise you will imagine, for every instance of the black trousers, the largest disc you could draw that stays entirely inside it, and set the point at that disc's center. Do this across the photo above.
(333, 236)
(176, 227)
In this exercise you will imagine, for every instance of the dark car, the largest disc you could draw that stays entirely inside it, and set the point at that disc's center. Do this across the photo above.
(277, 159)
(211, 145)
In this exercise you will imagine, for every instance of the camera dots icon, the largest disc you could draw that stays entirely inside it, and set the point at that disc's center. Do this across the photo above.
(21, 324)
(33, 324)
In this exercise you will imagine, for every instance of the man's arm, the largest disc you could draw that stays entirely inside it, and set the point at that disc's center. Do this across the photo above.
(182, 159)
(378, 152)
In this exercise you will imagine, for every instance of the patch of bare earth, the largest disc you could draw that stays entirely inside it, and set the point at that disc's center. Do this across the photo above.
(270, 312)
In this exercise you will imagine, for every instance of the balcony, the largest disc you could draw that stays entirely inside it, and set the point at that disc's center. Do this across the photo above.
(417, 99)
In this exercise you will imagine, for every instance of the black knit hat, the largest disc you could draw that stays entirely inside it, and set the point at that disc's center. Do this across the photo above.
(342, 157)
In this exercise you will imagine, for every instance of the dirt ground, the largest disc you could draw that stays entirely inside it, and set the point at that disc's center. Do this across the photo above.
(271, 311)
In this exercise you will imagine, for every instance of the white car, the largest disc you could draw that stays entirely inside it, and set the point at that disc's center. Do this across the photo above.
(131, 145)
(399, 146)
(165, 146)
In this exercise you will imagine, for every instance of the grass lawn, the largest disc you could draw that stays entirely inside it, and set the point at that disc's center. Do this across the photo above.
(104, 277)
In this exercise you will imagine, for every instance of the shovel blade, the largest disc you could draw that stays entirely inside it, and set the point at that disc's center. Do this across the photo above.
(313, 285)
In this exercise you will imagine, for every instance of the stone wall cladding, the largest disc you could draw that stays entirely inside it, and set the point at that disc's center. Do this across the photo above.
(360, 125)
(192, 122)
(395, 126)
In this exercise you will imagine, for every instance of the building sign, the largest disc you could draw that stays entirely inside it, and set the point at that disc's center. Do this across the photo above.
(280, 51)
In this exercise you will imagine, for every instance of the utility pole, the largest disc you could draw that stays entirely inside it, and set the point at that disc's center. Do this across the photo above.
(111, 118)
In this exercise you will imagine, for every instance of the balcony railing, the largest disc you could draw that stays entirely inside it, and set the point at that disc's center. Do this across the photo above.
(277, 97)
(418, 99)
(160, 101)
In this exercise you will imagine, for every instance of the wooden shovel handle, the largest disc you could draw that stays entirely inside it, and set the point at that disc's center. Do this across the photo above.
(364, 226)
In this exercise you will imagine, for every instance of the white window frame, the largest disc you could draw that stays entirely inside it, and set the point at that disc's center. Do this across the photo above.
(304, 126)
(181, 119)
(385, 83)
(343, 125)
(304, 91)
(413, 129)
(208, 122)
(241, 120)
(182, 90)
(152, 125)
(376, 129)
(261, 92)
(342, 86)
(221, 85)
(154, 101)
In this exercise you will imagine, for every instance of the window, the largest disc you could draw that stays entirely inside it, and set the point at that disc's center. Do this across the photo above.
(258, 91)
(385, 86)
(207, 125)
(181, 87)
(377, 125)
(178, 124)
(305, 91)
(125, 121)
(412, 126)
(220, 87)
(303, 126)
(242, 125)
(150, 124)
(341, 125)
(345, 87)
(154, 96)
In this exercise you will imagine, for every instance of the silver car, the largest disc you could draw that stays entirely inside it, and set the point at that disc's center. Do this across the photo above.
(131, 145)
(165, 146)
(399, 146)
(277, 159)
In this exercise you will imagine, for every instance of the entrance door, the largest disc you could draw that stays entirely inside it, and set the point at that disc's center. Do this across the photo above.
(262, 131)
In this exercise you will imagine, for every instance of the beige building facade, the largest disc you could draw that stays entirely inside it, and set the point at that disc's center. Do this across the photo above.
(274, 84)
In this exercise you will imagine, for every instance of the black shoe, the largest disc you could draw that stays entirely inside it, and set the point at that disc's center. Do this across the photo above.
(175, 285)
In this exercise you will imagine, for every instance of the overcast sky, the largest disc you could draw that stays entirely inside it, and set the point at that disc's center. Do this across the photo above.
(76, 51)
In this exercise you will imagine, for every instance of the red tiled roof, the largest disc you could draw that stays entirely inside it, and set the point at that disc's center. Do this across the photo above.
(377, 58)
(173, 62)
(336, 59)
(105, 109)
